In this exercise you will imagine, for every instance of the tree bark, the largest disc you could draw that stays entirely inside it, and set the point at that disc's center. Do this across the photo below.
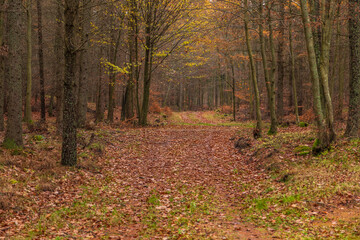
(323, 137)
(2, 65)
(84, 65)
(69, 153)
(233, 90)
(281, 69)
(147, 65)
(269, 78)
(253, 74)
(59, 68)
(147, 78)
(28, 113)
(41, 61)
(112, 84)
(293, 78)
(352, 128)
(328, 12)
(13, 133)
(100, 106)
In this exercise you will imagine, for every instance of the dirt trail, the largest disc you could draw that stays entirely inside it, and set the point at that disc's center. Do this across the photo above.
(168, 159)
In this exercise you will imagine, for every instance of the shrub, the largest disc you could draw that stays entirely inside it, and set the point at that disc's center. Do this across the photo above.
(226, 109)
(167, 111)
(308, 116)
(303, 124)
(38, 138)
(155, 107)
(302, 150)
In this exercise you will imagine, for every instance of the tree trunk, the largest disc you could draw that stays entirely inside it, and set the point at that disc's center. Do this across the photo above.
(328, 11)
(336, 62)
(293, 78)
(323, 137)
(84, 64)
(2, 66)
(28, 113)
(13, 134)
(233, 90)
(112, 84)
(269, 78)
(147, 68)
(352, 128)
(69, 153)
(341, 88)
(281, 69)
(253, 75)
(59, 70)
(99, 98)
(41, 61)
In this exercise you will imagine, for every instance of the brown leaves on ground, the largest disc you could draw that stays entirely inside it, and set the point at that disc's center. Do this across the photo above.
(172, 182)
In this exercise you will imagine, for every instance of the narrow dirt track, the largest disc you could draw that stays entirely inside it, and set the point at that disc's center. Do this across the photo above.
(165, 159)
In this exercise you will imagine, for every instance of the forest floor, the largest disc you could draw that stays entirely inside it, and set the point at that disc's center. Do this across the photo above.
(181, 179)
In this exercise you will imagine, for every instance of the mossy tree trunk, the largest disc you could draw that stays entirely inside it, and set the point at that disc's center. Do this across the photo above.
(327, 16)
(324, 138)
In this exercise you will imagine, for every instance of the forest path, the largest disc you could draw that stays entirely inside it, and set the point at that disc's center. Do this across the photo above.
(188, 180)
(173, 182)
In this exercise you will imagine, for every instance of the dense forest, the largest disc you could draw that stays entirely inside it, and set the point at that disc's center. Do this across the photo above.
(70, 69)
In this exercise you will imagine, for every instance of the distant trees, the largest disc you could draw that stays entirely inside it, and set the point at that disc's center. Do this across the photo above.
(318, 25)
(159, 17)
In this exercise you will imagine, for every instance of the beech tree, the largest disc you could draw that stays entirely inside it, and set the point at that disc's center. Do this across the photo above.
(319, 73)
